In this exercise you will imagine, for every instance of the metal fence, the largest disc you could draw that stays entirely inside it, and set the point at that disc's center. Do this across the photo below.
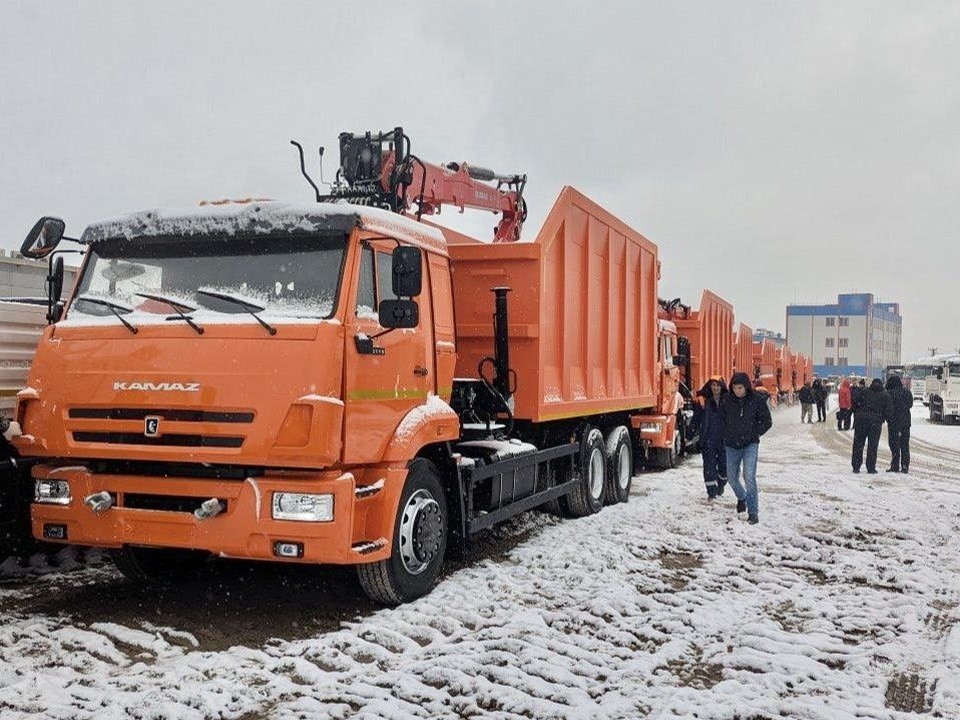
(20, 328)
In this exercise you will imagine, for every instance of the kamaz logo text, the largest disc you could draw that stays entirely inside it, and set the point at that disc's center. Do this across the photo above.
(163, 386)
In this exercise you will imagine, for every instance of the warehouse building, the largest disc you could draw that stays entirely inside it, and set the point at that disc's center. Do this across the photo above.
(856, 336)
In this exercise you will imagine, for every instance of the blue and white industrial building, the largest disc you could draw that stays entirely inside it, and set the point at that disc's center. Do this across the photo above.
(855, 336)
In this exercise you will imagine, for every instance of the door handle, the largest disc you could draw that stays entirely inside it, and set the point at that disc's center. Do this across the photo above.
(420, 371)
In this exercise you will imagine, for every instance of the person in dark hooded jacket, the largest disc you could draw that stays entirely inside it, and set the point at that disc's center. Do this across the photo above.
(869, 411)
(711, 438)
(745, 418)
(898, 424)
(820, 393)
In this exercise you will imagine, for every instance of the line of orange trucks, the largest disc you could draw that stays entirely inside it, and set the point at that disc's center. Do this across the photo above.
(345, 382)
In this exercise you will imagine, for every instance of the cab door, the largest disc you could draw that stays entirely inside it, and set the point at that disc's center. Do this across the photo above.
(381, 388)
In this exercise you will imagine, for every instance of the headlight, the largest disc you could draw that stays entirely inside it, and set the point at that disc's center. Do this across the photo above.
(53, 492)
(649, 427)
(303, 507)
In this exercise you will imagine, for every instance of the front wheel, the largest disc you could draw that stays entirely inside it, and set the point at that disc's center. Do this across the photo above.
(669, 458)
(419, 541)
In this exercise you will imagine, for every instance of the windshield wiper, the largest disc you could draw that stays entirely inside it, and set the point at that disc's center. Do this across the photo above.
(114, 307)
(178, 307)
(249, 305)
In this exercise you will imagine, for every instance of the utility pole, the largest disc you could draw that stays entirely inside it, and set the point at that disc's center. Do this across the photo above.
(933, 351)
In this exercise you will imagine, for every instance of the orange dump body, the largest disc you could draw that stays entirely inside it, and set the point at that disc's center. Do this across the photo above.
(765, 365)
(709, 329)
(582, 312)
(743, 350)
(784, 366)
(807, 364)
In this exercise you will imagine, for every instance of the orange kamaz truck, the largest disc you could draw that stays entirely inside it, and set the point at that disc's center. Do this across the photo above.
(342, 382)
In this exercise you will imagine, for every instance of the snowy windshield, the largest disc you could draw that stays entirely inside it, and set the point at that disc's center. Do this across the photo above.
(290, 277)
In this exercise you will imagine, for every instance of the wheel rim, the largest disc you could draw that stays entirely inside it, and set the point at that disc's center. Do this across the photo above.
(421, 529)
(596, 473)
(676, 444)
(623, 467)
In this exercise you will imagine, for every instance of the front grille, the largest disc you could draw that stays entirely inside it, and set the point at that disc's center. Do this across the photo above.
(164, 503)
(176, 415)
(166, 469)
(175, 440)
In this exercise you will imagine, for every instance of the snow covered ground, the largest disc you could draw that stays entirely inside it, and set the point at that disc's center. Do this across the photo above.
(843, 603)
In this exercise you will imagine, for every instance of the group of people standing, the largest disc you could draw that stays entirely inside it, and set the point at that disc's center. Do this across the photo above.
(730, 429)
(733, 421)
(871, 406)
(810, 395)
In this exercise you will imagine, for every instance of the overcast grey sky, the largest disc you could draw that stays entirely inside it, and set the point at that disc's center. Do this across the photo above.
(775, 151)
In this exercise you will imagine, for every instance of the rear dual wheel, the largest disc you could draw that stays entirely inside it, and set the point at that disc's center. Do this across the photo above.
(587, 496)
(619, 466)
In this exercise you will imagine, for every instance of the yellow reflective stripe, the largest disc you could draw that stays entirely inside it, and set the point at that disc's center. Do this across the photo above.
(386, 394)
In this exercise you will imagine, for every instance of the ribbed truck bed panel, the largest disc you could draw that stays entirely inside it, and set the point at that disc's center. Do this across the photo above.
(582, 317)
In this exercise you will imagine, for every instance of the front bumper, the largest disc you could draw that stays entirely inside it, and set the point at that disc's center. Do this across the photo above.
(361, 529)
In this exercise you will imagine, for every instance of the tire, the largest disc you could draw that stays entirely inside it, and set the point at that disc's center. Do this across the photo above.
(587, 496)
(669, 458)
(419, 541)
(151, 567)
(619, 466)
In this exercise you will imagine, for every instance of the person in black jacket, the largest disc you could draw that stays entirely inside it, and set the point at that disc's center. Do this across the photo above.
(745, 418)
(711, 438)
(820, 393)
(806, 403)
(898, 424)
(870, 409)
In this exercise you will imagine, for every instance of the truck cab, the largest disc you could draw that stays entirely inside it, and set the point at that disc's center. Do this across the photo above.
(944, 391)
(245, 381)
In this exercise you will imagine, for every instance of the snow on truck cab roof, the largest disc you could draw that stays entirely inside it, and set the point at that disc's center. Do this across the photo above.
(265, 218)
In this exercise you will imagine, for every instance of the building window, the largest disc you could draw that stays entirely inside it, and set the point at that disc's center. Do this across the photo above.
(842, 361)
(844, 342)
(828, 361)
(830, 342)
(831, 321)
(844, 321)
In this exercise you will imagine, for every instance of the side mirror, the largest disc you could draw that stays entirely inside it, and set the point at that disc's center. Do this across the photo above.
(407, 271)
(399, 314)
(56, 280)
(43, 237)
(54, 291)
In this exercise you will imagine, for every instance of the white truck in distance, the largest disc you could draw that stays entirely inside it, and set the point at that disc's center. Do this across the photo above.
(943, 390)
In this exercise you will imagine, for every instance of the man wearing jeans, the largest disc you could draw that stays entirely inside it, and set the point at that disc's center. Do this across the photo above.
(745, 418)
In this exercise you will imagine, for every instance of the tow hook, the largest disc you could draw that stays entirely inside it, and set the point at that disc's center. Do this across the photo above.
(208, 509)
(99, 502)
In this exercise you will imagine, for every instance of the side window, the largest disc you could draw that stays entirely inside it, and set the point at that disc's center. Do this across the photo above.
(385, 276)
(366, 295)
(667, 355)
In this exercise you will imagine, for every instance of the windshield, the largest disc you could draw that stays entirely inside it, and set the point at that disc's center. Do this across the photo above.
(919, 371)
(954, 369)
(289, 277)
